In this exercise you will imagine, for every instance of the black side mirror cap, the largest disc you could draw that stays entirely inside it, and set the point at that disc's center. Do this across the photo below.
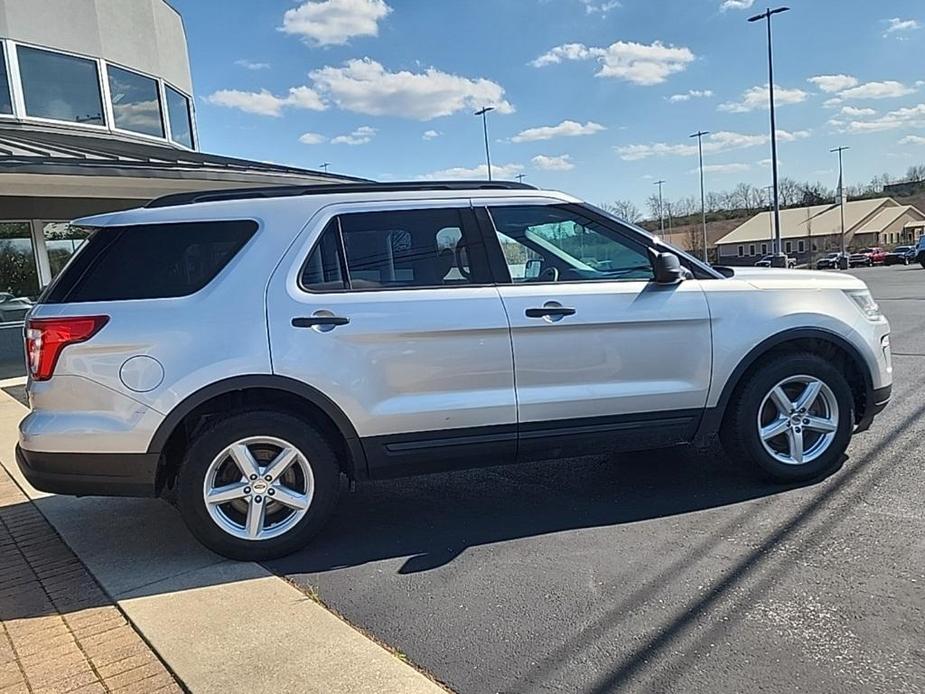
(667, 268)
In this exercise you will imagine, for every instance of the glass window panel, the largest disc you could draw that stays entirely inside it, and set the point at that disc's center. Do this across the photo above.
(6, 101)
(135, 102)
(181, 124)
(59, 86)
(62, 240)
(19, 279)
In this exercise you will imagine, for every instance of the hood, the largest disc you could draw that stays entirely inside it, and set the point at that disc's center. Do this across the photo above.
(779, 278)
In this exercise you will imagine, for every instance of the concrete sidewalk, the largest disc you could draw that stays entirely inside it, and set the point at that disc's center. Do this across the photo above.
(219, 625)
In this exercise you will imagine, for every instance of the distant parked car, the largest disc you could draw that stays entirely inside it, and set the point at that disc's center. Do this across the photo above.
(12, 308)
(901, 255)
(920, 252)
(830, 261)
(867, 257)
(766, 262)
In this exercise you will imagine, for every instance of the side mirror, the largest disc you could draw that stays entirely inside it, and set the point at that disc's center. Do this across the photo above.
(667, 268)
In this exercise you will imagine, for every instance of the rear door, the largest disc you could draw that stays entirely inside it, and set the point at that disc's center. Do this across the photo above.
(390, 311)
(604, 358)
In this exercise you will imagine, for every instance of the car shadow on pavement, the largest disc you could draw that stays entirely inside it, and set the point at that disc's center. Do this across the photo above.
(432, 519)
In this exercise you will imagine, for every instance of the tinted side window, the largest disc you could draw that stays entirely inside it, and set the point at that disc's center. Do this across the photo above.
(546, 243)
(149, 261)
(394, 250)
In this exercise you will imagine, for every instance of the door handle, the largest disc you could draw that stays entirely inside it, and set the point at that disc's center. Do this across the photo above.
(319, 321)
(550, 312)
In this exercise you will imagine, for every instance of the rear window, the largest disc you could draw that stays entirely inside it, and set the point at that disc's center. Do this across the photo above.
(149, 261)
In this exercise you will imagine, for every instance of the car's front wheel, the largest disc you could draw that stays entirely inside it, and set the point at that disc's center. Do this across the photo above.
(792, 418)
(257, 485)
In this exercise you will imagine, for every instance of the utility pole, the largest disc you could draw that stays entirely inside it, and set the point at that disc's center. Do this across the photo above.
(325, 166)
(520, 177)
(703, 201)
(661, 215)
(778, 260)
(843, 261)
(482, 112)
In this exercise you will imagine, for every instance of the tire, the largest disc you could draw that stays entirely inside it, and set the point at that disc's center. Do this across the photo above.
(753, 405)
(310, 483)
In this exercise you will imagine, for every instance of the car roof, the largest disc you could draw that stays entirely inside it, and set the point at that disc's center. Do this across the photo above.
(215, 207)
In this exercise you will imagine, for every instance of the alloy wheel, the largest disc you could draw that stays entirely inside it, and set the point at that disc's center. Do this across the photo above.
(798, 420)
(258, 488)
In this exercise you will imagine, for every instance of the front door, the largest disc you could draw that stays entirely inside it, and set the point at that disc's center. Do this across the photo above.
(604, 358)
(392, 314)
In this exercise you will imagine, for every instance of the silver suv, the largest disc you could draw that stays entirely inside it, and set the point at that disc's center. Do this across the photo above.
(241, 352)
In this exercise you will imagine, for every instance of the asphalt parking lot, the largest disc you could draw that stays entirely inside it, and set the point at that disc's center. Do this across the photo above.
(668, 571)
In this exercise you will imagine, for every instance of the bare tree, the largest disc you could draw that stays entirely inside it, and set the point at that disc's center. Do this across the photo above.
(625, 209)
(916, 173)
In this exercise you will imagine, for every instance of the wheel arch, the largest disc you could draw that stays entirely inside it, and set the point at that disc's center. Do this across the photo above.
(239, 392)
(814, 340)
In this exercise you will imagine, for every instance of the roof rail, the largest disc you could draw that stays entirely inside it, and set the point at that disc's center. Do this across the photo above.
(328, 189)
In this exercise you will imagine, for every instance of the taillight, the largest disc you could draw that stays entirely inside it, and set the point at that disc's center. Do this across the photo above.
(46, 337)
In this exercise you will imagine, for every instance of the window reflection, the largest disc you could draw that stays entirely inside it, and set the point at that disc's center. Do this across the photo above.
(62, 240)
(6, 101)
(19, 277)
(135, 103)
(59, 86)
(178, 110)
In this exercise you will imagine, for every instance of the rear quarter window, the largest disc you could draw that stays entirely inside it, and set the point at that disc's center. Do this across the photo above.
(149, 261)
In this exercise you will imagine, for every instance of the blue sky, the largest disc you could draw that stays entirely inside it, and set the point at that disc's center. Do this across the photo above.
(594, 97)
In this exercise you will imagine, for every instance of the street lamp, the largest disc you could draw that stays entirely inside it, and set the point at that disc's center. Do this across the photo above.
(703, 203)
(778, 259)
(482, 112)
(661, 215)
(843, 261)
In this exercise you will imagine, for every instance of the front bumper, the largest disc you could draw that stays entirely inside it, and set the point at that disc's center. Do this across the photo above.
(90, 474)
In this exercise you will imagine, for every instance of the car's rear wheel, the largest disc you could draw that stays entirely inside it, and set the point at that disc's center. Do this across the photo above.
(257, 485)
(793, 418)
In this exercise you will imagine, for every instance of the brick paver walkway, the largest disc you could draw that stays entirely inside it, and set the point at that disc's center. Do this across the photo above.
(59, 632)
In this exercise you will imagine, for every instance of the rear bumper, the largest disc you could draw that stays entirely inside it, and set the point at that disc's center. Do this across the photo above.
(879, 398)
(90, 474)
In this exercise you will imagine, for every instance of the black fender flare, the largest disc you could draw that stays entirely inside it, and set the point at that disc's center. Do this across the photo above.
(713, 417)
(268, 382)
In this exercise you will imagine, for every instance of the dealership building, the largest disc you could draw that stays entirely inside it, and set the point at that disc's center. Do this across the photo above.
(97, 113)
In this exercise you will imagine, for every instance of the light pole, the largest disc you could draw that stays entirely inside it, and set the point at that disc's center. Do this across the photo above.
(770, 191)
(703, 201)
(482, 112)
(661, 215)
(325, 166)
(778, 260)
(843, 261)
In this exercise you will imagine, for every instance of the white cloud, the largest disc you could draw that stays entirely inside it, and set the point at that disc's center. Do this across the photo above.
(567, 128)
(498, 171)
(334, 22)
(361, 136)
(877, 90)
(736, 4)
(722, 141)
(639, 63)
(430, 135)
(365, 86)
(690, 94)
(757, 97)
(910, 117)
(901, 25)
(833, 83)
(834, 102)
(722, 168)
(549, 163)
(251, 65)
(854, 112)
(912, 140)
(766, 163)
(601, 7)
(312, 139)
(264, 103)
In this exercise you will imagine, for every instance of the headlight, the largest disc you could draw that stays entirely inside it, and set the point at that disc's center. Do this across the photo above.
(865, 302)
